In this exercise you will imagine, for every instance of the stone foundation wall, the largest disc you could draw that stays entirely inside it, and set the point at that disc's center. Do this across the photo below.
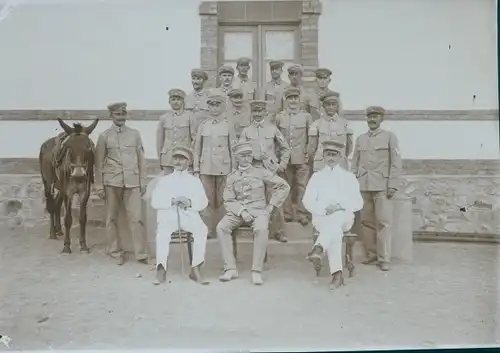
(437, 201)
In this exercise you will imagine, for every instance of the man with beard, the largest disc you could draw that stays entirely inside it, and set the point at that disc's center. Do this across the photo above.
(174, 129)
(308, 100)
(294, 124)
(266, 139)
(332, 196)
(226, 77)
(196, 101)
(330, 127)
(275, 88)
(120, 176)
(178, 198)
(238, 111)
(242, 81)
(246, 202)
(376, 162)
(213, 159)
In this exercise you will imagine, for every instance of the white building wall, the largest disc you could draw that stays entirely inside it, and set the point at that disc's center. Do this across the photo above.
(77, 54)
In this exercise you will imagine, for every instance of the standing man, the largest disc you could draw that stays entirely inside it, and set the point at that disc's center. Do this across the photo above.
(242, 81)
(174, 129)
(332, 196)
(295, 124)
(245, 203)
(376, 162)
(121, 177)
(323, 79)
(179, 197)
(213, 159)
(275, 88)
(308, 100)
(196, 101)
(226, 78)
(238, 111)
(330, 127)
(266, 139)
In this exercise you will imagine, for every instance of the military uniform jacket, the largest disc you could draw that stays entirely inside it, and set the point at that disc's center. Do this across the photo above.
(328, 128)
(174, 129)
(212, 147)
(266, 138)
(309, 102)
(248, 87)
(120, 158)
(295, 128)
(376, 160)
(239, 118)
(196, 103)
(246, 190)
(223, 91)
(274, 96)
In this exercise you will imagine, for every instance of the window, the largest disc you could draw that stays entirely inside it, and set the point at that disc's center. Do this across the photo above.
(261, 43)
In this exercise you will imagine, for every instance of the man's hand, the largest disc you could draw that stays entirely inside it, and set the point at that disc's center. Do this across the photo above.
(391, 192)
(247, 217)
(269, 209)
(281, 168)
(143, 190)
(333, 208)
(99, 191)
(196, 174)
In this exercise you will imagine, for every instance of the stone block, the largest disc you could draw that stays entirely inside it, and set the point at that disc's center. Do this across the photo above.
(402, 229)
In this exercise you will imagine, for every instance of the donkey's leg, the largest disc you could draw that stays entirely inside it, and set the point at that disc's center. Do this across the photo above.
(57, 216)
(84, 198)
(68, 219)
(52, 226)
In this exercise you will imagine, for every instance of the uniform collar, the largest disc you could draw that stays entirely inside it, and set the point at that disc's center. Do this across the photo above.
(277, 82)
(292, 112)
(327, 169)
(258, 123)
(241, 169)
(226, 89)
(331, 118)
(179, 173)
(201, 92)
(243, 79)
(119, 128)
(374, 132)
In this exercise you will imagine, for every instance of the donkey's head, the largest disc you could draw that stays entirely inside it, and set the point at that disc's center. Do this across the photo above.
(79, 149)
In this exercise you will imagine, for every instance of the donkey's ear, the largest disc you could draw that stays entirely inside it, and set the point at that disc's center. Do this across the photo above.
(91, 127)
(65, 126)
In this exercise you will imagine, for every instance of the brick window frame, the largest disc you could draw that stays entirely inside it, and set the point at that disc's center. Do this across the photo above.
(303, 13)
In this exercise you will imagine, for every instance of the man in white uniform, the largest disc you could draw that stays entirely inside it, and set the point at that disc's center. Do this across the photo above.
(332, 196)
(178, 198)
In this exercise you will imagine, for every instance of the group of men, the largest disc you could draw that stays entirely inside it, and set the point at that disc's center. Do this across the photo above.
(250, 150)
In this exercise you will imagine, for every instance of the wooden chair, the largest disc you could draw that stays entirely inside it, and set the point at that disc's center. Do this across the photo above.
(243, 231)
(349, 239)
(181, 238)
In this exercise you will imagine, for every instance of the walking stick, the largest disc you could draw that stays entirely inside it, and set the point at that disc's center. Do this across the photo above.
(179, 233)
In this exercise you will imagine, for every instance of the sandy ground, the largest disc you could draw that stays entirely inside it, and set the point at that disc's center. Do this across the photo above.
(447, 296)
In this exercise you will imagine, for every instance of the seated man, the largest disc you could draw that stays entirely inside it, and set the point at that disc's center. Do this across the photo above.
(245, 203)
(332, 196)
(179, 197)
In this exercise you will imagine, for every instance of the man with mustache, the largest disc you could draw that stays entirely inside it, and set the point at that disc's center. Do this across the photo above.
(174, 129)
(267, 141)
(213, 159)
(332, 196)
(275, 88)
(238, 111)
(377, 164)
(330, 127)
(242, 81)
(120, 177)
(178, 198)
(295, 124)
(323, 79)
(246, 202)
(308, 100)
(226, 78)
(196, 101)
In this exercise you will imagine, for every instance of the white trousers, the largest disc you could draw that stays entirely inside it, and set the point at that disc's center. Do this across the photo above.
(190, 221)
(331, 231)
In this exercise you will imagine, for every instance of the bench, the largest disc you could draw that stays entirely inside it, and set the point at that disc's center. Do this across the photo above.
(349, 239)
(243, 231)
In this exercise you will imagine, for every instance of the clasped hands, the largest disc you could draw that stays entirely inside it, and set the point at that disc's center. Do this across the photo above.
(181, 201)
(333, 208)
(248, 218)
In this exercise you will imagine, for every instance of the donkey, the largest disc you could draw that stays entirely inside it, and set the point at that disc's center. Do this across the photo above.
(67, 168)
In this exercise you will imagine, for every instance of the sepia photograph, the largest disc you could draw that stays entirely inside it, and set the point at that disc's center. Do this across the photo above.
(257, 175)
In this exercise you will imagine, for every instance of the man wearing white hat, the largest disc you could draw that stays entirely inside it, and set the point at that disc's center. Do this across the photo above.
(332, 196)
(178, 198)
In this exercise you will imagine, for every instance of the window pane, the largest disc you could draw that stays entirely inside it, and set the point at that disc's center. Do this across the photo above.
(233, 64)
(284, 76)
(237, 45)
(280, 45)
